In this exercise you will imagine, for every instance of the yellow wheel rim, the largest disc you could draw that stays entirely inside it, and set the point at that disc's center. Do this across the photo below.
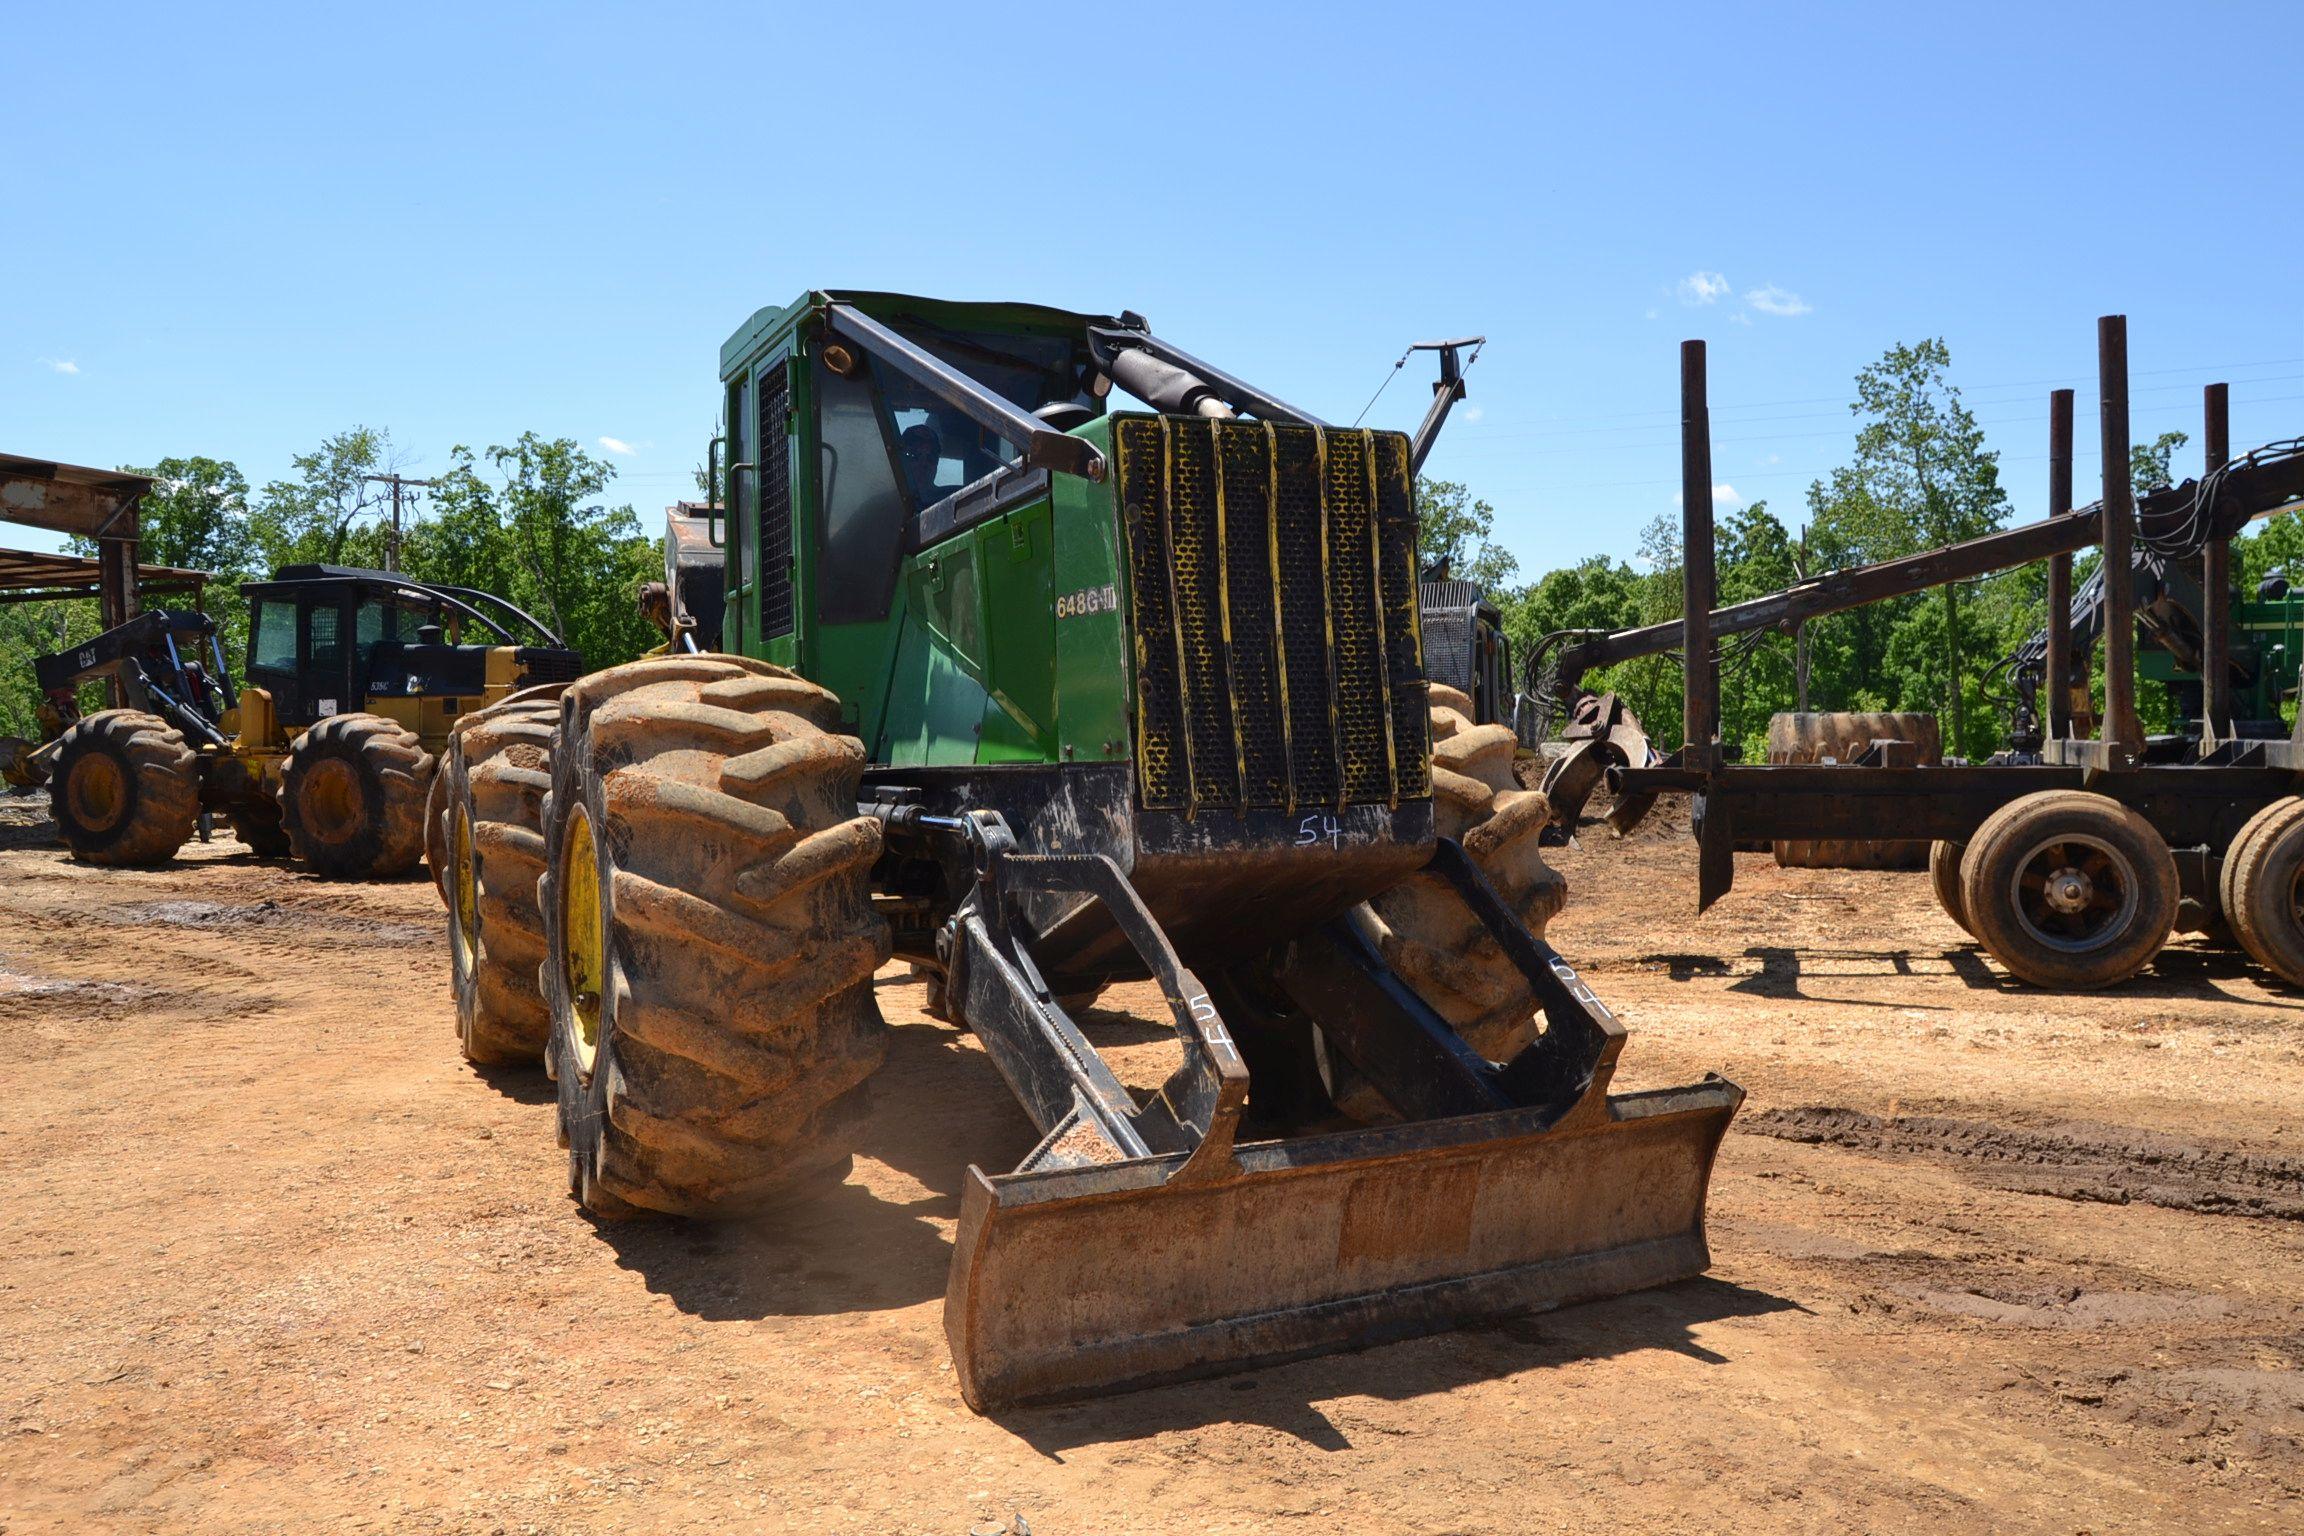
(334, 808)
(98, 793)
(585, 943)
(465, 879)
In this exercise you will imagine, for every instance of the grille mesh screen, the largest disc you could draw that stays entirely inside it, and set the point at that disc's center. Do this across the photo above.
(1273, 582)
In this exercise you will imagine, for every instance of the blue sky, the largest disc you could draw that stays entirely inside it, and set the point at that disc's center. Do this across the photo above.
(235, 233)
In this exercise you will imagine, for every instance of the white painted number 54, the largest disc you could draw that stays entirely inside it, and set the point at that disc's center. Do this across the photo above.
(1318, 829)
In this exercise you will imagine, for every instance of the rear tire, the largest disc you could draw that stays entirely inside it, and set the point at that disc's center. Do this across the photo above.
(496, 772)
(710, 939)
(2069, 890)
(352, 797)
(124, 789)
(1425, 931)
(1944, 881)
(2263, 889)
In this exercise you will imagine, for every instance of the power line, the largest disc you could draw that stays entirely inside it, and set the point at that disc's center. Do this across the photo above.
(398, 483)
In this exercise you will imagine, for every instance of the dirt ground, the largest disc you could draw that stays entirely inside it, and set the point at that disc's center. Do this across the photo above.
(272, 1258)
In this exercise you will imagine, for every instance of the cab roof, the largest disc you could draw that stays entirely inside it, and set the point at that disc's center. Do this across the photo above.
(775, 322)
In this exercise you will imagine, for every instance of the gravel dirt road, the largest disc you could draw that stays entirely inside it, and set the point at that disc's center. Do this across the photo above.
(272, 1258)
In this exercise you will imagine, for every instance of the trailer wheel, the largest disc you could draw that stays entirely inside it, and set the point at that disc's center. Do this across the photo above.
(352, 797)
(492, 784)
(2069, 890)
(1944, 881)
(2263, 888)
(125, 788)
(709, 936)
(1423, 928)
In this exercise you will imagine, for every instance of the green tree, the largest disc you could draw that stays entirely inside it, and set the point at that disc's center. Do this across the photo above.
(2148, 462)
(1453, 525)
(1921, 478)
(314, 517)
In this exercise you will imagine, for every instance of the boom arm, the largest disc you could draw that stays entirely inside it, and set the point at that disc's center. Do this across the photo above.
(2264, 482)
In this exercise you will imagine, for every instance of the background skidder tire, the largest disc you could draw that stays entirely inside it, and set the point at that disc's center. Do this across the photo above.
(125, 789)
(709, 935)
(352, 797)
(1424, 929)
(496, 772)
(257, 824)
(2262, 887)
(1944, 881)
(2069, 889)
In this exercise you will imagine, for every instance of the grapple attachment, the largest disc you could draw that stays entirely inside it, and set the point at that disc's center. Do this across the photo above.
(1140, 1243)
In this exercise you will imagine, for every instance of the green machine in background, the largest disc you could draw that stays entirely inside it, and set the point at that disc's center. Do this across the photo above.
(1040, 695)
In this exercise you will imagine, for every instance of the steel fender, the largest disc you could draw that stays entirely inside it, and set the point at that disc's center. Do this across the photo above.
(1080, 1281)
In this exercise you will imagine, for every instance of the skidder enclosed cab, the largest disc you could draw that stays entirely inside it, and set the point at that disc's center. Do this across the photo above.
(1041, 695)
(353, 681)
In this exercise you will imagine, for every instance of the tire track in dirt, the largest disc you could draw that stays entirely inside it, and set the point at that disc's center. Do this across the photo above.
(2071, 1161)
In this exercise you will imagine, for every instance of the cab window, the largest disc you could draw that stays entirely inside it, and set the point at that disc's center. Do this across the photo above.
(863, 501)
(324, 652)
(272, 648)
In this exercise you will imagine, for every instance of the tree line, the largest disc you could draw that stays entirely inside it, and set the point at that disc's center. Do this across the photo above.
(1919, 475)
(523, 520)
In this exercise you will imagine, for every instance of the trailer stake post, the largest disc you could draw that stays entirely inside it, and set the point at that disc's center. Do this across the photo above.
(2123, 731)
(1700, 692)
(2215, 582)
(2056, 716)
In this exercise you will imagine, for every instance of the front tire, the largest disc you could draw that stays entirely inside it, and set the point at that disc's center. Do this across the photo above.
(709, 935)
(125, 789)
(352, 797)
(2069, 890)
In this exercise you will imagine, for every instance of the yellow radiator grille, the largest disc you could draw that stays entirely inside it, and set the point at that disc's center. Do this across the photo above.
(1272, 578)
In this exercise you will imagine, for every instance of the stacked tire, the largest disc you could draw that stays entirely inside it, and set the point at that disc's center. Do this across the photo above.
(1842, 736)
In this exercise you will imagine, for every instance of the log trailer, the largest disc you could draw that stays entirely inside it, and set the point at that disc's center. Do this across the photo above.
(2074, 860)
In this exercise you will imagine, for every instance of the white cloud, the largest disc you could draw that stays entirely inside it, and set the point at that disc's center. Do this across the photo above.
(61, 364)
(617, 445)
(1772, 300)
(1774, 458)
(1652, 314)
(1739, 318)
(1472, 413)
(1702, 288)
(1723, 495)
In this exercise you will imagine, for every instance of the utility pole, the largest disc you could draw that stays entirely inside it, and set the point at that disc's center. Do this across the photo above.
(398, 484)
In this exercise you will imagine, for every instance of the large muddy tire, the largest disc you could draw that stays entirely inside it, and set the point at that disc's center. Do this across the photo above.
(124, 789)
(2262, 886)
(1425, 931)
(257, 824)
(352, 797)
(493, 779)
(710, 940)
(1944, 881)
(2069, 890)
(1842, 735)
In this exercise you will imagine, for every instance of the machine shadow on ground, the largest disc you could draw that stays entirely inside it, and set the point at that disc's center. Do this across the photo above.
(2178, 972)
(1286, 1398)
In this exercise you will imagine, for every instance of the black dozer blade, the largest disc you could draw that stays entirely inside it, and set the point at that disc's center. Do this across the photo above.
(1138, 1244)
